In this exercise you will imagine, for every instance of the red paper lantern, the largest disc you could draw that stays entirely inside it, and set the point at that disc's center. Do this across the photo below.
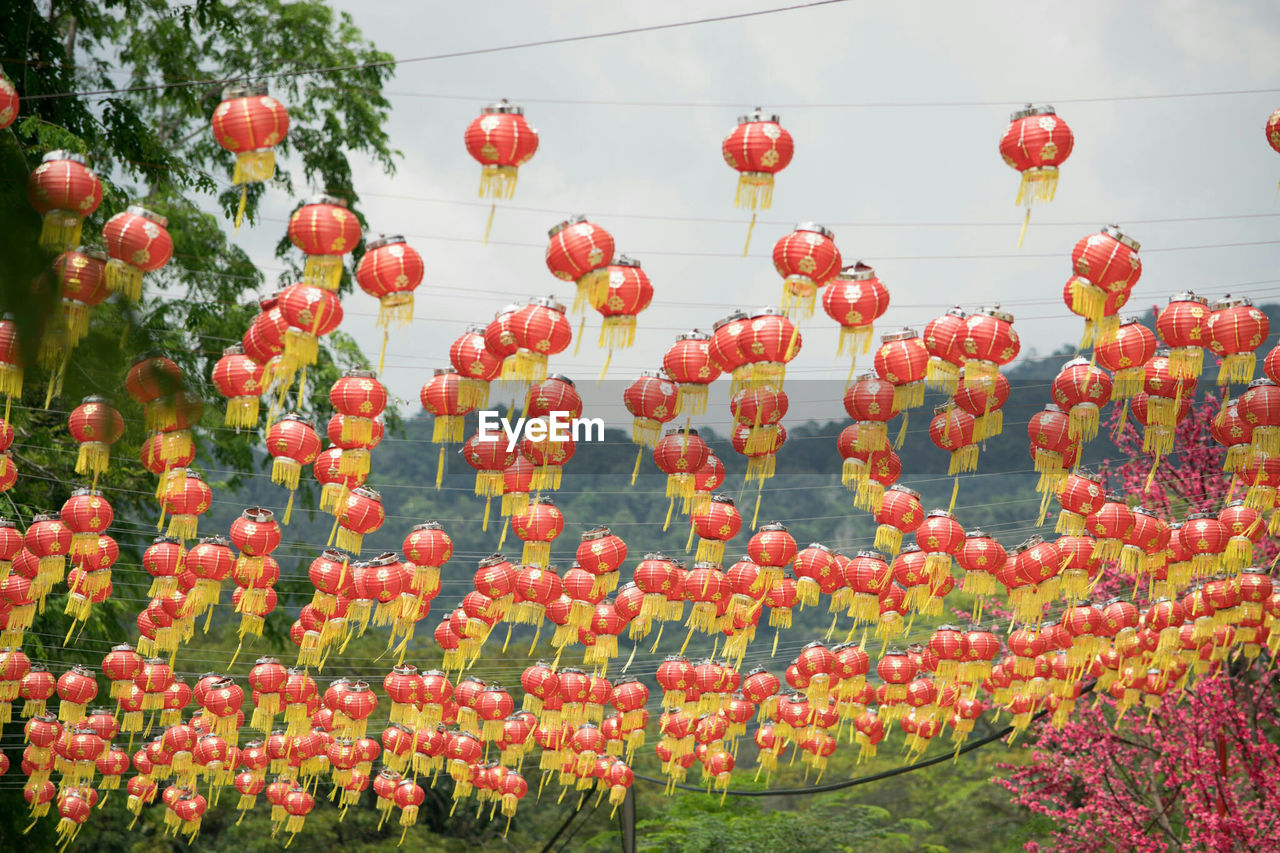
(1081, 390)
(1108, 259)
(324, 230)
(10, 361)
(360, 398)
(601, 552)
(1259, 408)
(476, 365)
(767, 342)
(334, 481)
(715, 524)
(680, 454)
(629, 292)
(250, 123)
(428, 547)
(211, 561)
(138, 242)
(35, 688)
(256, 534)
(655, 577)
(942, 338)
(86, 514)
(539, 330)
(361, 515)
(989, 342)
(442, 397)
(501, 140)
(9, 102)
(89, 582)
(1036, 142)
(760, 446)
(185, 504)
(1235, 329)
(952, 430)
(1125, 356)
(900, 512)
(536, 588)
(73, 811)
(292, 443)
(390, 271)
(707, 479)
(653, 400)
(499, 337)
(1230, 430)
(867, 576)
(870, 402)
(725, 353)
(883, 469)
(807, 259)
(95, 425)
(1099, 308)
(310, 313)
(758, 148)
(64, 190)
(548, 456)
(758, 409)
(985, 403)
(265, 336)
(240, 379)
(82, 285)
(817, 570)
(1166, 391)
(537, 527)
(8, 472)
(1183, 327)
(855, 299)
(297, 805)
(981, 557)
(557, 395)
(901, 361)
(689, 364)
(1080, 495)
(1110, 524)
(517, 483)
(76, 688)
(490, 458)
(581, 251)
(939, 536)
(1052, 446)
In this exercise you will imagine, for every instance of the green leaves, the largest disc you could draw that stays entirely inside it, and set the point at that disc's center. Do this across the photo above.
(154, 146)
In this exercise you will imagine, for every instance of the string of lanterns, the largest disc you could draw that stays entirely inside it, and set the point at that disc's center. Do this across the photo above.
(1206, 600)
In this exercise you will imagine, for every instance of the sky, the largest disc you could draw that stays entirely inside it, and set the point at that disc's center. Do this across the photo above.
(896, 111)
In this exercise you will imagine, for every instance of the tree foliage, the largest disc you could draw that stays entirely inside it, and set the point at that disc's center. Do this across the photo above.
(97, 77)
(161, 70)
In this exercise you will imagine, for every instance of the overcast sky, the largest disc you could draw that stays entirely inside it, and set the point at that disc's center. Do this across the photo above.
(908, 189)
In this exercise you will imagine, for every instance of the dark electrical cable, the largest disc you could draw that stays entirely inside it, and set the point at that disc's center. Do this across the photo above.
(863, 105)
(433, 57)
(556, 837)
(569, 837)
(860, 780)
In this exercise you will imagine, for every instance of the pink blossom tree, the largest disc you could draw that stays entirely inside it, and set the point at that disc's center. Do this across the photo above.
(1201, 771)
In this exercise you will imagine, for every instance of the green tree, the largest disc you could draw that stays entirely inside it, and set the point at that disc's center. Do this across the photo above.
(132, 84)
